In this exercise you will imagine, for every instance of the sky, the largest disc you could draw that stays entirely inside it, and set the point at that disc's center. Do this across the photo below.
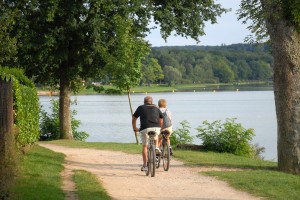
(227, 31)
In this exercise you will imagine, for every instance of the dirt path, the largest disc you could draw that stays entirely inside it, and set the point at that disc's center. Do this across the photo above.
(121, 176)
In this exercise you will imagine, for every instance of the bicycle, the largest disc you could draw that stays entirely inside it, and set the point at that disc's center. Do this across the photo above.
(165, 151)
(151, 161)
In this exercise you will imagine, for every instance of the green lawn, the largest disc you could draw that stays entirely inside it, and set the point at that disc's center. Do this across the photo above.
(39, 176)
(88, 187)
(40, 171)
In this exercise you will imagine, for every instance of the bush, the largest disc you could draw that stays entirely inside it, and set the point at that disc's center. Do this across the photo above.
(182, 135)
(26, 106)
(49, 124)
(228, 137)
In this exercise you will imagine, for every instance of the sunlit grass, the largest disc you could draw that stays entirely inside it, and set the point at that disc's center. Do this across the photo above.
(88, 187)
(39, 176)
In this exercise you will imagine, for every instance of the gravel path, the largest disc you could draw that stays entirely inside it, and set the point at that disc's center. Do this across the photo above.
(121, 176)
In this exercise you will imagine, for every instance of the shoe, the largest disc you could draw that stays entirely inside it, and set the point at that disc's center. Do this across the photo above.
(144, 168)
(157, 151)
(171, 152)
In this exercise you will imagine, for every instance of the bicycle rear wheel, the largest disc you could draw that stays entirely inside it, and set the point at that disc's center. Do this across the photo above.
(157, 160)
(152, 161)
(166, 156)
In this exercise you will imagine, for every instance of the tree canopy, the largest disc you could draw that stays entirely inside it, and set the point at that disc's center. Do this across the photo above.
(63, 41)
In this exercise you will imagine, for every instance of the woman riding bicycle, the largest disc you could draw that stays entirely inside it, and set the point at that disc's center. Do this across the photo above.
(151, 119)
(167, 122)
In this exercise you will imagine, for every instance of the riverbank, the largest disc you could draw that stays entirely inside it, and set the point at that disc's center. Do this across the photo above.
(156, 88)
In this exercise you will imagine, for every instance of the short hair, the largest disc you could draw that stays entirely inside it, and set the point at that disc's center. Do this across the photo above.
(162, 103)
(148, 100)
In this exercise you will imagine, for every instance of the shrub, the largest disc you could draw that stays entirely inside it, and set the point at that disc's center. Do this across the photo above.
(26, 106)
(230, 137)
(182, 135)
(49, 124)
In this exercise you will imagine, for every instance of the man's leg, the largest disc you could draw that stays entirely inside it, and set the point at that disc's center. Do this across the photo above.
(144, 155)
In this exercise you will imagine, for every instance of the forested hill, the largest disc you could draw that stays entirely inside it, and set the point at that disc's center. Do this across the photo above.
(210, 64)
(233, 47)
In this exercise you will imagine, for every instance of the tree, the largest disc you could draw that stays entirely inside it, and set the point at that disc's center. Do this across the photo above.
(8, 47)
(62, 41)
(152, 71)
(222, 70)
(280, 19)
(243, 70)
(172, 75)
(125, 62)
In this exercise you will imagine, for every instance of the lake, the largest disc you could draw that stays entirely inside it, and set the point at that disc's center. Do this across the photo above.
(107, 118)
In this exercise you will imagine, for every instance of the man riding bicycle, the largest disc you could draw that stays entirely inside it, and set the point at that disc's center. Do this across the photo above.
(151, 119)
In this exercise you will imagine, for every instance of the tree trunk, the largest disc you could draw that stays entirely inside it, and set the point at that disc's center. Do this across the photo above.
(64, 109)
(129, 99)
(285, 43)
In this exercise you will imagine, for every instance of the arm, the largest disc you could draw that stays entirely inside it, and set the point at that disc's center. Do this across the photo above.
(161, 122)
(135, 129)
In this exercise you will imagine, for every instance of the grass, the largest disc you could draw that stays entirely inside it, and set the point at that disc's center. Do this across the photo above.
(88, 187)
(264, 183)
(125, 147)
(39, 176)
(257, 177)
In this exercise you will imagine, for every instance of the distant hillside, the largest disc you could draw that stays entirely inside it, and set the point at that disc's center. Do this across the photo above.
(233, 47)
(214, 64)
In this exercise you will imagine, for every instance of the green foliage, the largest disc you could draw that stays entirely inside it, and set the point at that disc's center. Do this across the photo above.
(49, 124)
(152, 71)
(230, 137)
(125, 63)
(18, 73)
(252, 11)
(39, 175)
(291, 10)
(113, 91)
(223, 64)
(172, 75)
(8, 44)
(26, 107)
(182, 135)
(88, 186)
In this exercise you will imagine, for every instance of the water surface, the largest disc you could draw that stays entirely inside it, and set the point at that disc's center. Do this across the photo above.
(108, 119)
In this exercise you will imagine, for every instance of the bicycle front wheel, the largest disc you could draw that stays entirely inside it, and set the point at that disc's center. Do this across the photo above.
(152, 161)
(166, 156)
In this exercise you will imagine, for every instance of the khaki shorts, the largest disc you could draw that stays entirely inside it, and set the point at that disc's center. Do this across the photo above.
(170, 129)
(145, 137)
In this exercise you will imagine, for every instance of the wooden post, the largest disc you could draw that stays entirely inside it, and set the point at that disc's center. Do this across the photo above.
(6, 119)
(7, 139)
